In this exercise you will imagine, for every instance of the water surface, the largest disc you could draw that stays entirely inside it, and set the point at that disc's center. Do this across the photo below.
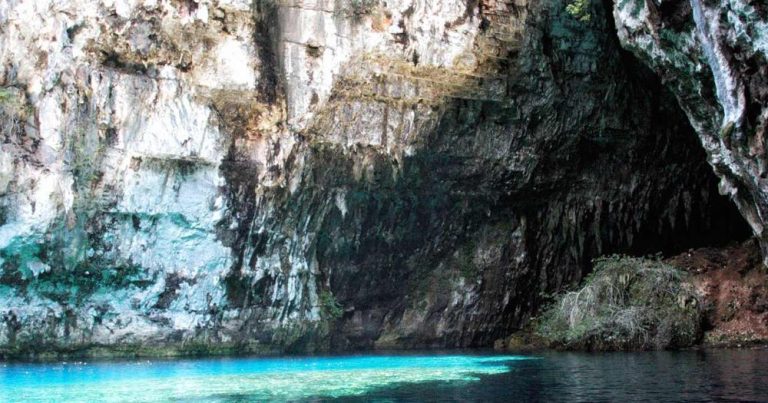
(654, 376)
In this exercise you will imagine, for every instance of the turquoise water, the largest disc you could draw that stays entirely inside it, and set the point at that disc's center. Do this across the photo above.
(720, 375)
(249, 379)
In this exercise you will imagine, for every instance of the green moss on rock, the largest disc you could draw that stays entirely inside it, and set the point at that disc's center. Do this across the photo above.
(329, 306)
(579, 9)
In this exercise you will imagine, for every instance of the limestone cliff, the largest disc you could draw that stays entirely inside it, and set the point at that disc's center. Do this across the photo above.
(299, 175)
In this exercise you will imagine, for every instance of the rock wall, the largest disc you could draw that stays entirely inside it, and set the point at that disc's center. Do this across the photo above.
(714, 56)
(232, 176)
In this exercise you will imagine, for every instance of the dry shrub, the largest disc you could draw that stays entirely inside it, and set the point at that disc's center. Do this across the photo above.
(625, 304)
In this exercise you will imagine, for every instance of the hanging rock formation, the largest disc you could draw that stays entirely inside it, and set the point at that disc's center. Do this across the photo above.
(713, 55)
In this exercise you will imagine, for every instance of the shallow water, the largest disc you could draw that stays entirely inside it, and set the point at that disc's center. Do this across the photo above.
(672, 376)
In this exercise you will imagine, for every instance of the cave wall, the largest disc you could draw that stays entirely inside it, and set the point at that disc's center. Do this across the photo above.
(253, 177)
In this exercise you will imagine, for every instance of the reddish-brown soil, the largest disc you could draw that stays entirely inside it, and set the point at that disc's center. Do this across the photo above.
(734, 285)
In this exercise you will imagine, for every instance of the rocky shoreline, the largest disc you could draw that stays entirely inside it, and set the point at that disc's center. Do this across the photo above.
(732, 284)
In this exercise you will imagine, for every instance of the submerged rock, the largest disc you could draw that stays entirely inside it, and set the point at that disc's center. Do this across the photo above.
(236, 176)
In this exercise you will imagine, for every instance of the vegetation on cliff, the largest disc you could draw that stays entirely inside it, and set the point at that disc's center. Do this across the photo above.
(12, 111)
(625, 304)
(579, 9)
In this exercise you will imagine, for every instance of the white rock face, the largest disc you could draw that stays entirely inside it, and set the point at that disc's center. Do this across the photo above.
(113, 185)
(316, 42)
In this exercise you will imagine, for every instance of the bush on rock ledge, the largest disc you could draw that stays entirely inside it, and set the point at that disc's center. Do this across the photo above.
(625, 304)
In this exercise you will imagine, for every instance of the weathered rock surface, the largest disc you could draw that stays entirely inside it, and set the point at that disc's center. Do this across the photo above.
(733, 284)
(300, 175)
(714, 56)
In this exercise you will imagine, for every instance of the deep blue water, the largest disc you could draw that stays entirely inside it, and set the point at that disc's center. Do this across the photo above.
(717, 375)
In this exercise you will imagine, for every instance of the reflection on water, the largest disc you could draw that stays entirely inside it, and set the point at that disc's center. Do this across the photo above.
(738, 375)
(716, 375)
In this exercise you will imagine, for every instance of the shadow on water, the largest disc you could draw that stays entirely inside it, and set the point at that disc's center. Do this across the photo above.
(714, 375)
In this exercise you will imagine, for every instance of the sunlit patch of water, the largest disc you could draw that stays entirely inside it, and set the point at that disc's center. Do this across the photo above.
(254, 379)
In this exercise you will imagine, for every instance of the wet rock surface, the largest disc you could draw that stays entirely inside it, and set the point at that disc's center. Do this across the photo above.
(202, 177)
